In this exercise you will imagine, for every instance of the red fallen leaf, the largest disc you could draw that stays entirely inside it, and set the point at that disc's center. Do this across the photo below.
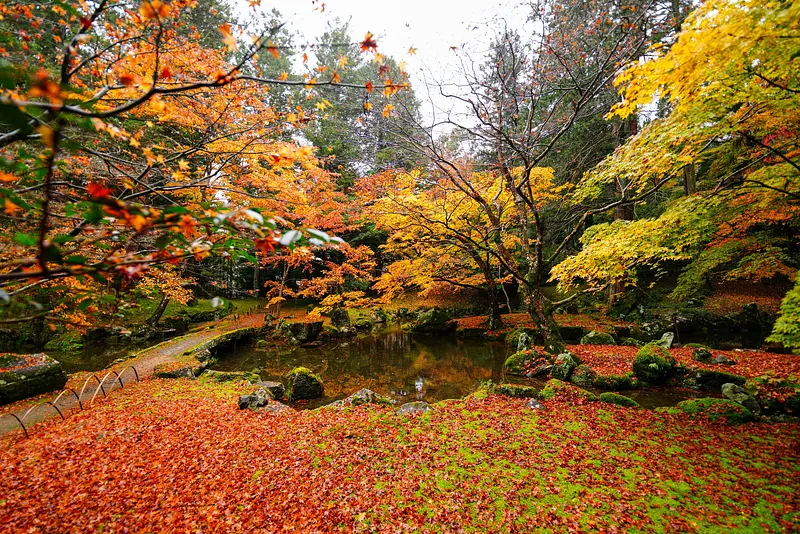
(97, 190)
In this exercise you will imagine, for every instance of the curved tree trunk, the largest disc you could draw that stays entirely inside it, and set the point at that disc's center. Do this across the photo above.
(540, 309)
(162, 306)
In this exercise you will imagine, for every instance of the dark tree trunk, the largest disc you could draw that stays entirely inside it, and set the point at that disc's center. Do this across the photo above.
(540, 309)
(689, 179)
(153, 320)
(495, 316)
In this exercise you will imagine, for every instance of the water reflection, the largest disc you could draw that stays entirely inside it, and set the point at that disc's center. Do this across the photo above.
(391, 362)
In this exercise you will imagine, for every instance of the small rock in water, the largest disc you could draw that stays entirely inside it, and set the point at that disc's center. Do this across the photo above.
(366, 396)
(534, 404)
(414, 407)
(723, 360)
(276, 389)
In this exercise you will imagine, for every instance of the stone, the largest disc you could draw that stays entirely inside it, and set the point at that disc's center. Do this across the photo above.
(414, 407)
(524, 342)
(583, 376)
(716, 409)
(534, 404)
(709, 380)
(340, 317)
(367, 396)
(28, 375)
(653, 364)
(513, 390)
(229, 376)
(721, 359)
(306, 332)
(303, 384)
(571, 334)
(701, 354)
(564, 365)
(666, 340)
(275, 389)
(433, 321)
(619, 400)
(257, 399)
(554, 388)
(597, 338)
(740, 395)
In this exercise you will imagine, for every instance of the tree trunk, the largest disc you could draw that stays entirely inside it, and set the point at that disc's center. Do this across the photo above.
(495, 317)
(689, 179)
(153, 320)
(540, 309)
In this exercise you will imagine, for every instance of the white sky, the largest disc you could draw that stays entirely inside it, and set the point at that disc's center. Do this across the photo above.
(430, 26)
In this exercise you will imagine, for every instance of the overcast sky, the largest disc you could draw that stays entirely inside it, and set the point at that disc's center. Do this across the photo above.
(430, 26)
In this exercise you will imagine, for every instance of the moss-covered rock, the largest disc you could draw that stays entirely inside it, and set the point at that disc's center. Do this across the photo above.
(433, 321)
(571, 334)
(554, 388)
(528, 363)
(340, 317)
(713, 380)
(630, 342)
(583, 376)
(366, 396)
(619, 400)
(306, 332)
(653, 364)
(702, 354)
(564, 365)
(303, 384)
(512, 390)
(28, 375)
(716, 409)
(229, 376)
(775, 395)
(513, 337)
(615, 382)
(598, 338)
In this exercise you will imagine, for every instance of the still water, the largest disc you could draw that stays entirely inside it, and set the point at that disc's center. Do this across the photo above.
(402, 366)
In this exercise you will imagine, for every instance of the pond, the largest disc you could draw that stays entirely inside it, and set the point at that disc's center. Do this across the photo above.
(402, 366)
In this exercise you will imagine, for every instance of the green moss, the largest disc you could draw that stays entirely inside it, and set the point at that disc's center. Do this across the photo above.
(775, 395)
(653, 364)
(598, 338)
(223, 376)
(583, 376)
(513, 390)
(716, 409)
(303, 384)
(619, 400)
(515, 364)
(512, 338)
(626, 381)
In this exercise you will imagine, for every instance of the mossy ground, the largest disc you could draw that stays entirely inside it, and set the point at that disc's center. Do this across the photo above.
(179, 455)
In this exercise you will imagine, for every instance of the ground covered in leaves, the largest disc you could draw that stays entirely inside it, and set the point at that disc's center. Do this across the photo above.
(178, 455)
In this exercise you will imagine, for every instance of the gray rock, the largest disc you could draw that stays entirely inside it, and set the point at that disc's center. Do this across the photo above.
(524, 342)
(433, 321)
(306, 332)
(667, 339)
(367, 396)
(534, 404)
(414, 407)
(275, 389)
(28, 375)
(340, 317)
(257, 399)
(303, 384)
(723, 360)
(739, 395)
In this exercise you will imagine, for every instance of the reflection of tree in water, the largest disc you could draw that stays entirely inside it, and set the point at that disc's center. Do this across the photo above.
(391, 362)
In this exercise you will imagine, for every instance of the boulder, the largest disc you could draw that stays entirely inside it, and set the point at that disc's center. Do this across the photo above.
(564, 365)
(571, 334)
(414, 407)
(708, 380)
(366, 396)
(275, 389)
(28, 375)
(513, 390)
(524, 342)
(229, 376)
(721, 359)
(701, 354)
(303, 384)
(653, 364)
(666, 340)
(306, 332)
(340, 317)
(740, 395)
(775, 395)
(433, 321)
(257, 399)
(534, 404)
(615, 382)
(583, 376)
(597, 338)
(619, 400)
(528, 363)
(630, 342)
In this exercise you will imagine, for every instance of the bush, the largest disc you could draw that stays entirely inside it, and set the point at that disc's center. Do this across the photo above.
(653, 364)
(619, 400)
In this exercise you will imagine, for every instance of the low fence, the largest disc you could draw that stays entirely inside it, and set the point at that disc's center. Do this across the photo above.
(79, 397)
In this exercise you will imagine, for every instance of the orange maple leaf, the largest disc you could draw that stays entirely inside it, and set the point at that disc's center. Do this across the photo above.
(369, 44)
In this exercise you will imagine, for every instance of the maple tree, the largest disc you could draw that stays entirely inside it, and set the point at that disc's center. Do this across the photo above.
(728, 86)
(128, 143)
